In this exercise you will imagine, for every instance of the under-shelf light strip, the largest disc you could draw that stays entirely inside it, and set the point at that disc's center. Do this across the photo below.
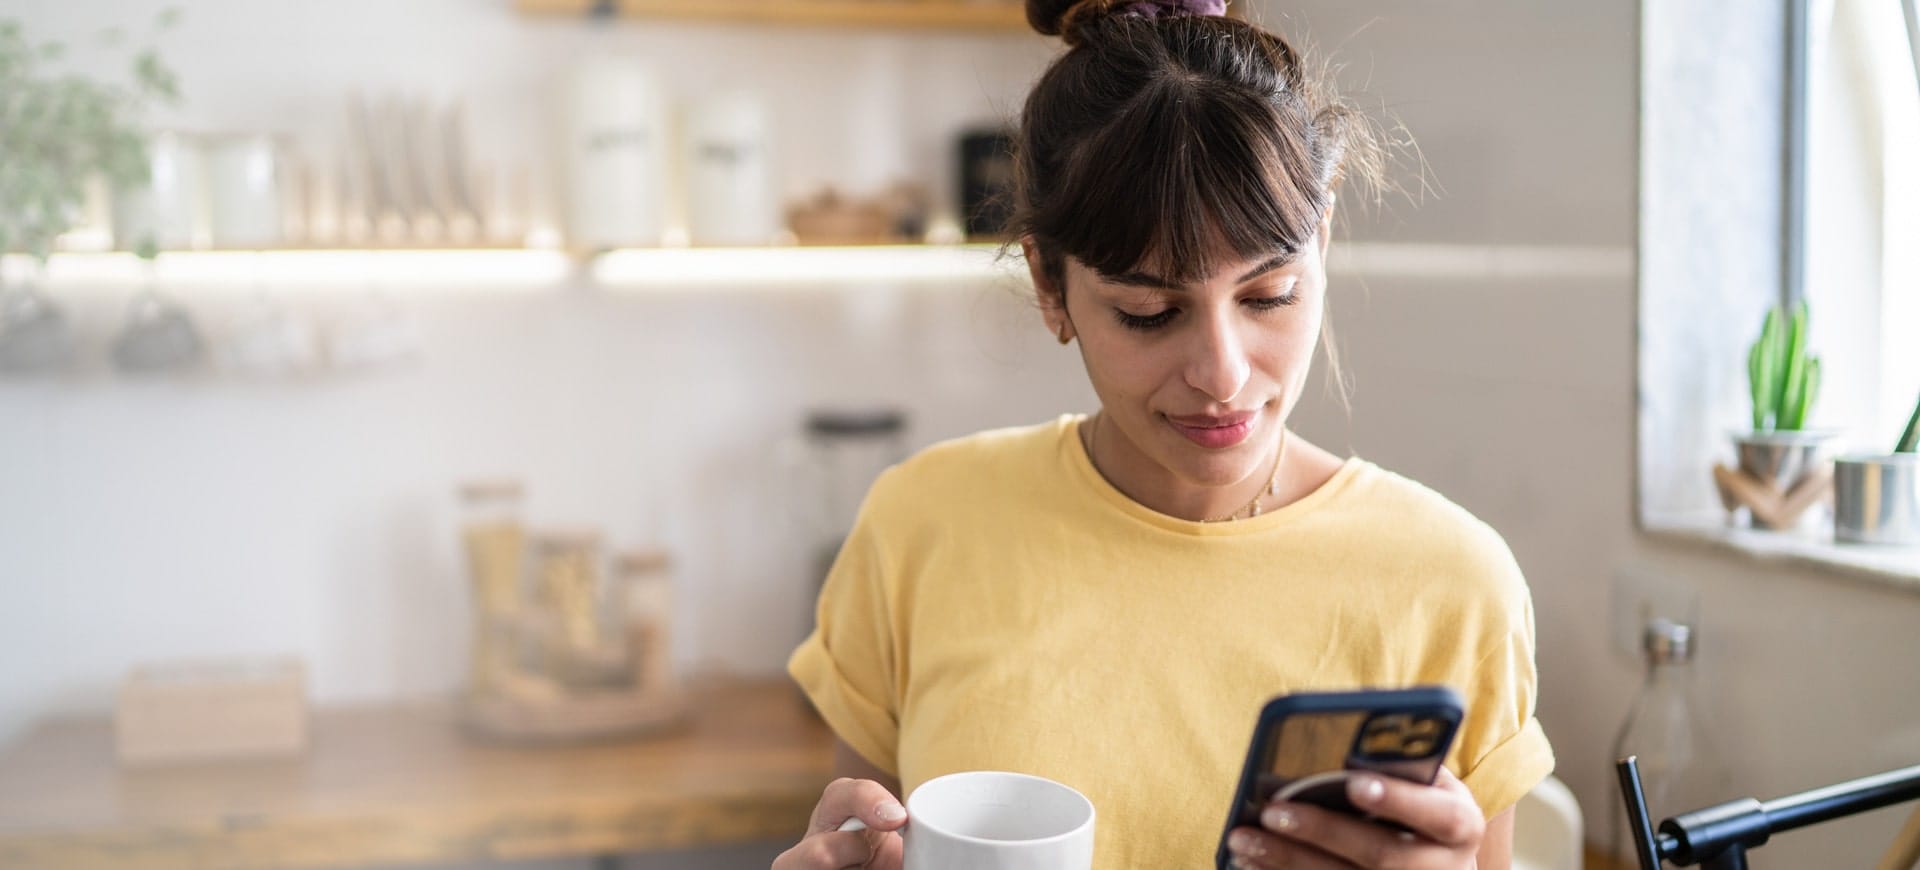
(626, 269)
(529, 269)
(756, 267)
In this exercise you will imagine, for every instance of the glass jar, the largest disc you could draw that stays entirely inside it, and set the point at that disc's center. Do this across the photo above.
(1680, 767)
(495, 538)
(845, 451)
(569, 589)
(644, 580)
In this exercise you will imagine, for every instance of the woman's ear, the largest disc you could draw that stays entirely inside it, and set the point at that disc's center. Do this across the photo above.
(1053, 303)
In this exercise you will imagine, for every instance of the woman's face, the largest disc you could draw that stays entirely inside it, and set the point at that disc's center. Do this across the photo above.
(1199, 378)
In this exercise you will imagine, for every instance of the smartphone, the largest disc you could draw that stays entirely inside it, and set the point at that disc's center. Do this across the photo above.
(1305, 745)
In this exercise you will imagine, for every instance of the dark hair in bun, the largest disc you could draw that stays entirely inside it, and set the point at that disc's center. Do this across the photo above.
(1062, 17)
(1047, 15)
(1183, 138)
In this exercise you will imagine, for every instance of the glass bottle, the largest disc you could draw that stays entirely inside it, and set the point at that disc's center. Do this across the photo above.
(1680, 767)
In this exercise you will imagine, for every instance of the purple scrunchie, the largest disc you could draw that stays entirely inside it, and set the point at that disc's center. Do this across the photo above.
(1173, 8)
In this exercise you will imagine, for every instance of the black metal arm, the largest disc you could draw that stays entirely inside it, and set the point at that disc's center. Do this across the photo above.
(1719, 836)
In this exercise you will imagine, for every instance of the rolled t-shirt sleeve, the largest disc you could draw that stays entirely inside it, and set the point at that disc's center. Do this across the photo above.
(1502, 752)
(846, 666)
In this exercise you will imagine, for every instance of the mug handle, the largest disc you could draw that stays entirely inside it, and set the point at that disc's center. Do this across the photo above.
(857, 825)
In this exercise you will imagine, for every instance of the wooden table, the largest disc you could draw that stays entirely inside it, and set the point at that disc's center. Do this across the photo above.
(402, 784)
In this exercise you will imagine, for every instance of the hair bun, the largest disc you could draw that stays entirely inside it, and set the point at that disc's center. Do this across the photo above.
(1050, 16)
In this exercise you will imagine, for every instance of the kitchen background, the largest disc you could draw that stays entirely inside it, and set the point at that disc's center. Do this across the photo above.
(1489, 328)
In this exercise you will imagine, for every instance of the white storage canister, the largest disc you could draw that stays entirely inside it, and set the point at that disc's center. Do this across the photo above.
(613, 154)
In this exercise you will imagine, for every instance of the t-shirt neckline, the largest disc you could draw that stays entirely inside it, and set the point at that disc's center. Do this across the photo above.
(1106, 492)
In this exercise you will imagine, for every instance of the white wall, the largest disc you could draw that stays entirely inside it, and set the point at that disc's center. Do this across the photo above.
(135, 517)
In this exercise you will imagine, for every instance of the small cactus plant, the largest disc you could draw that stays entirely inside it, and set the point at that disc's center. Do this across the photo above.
(1784, 379)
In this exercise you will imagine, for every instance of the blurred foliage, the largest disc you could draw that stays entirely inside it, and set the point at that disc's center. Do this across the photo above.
(58, 129)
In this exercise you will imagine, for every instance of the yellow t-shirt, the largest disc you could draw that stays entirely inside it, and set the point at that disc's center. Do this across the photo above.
(999, 605)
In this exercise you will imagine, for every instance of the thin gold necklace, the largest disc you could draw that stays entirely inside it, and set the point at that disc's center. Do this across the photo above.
(1251, 509)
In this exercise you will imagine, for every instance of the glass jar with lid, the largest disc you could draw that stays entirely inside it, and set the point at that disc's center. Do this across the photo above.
(845, 451)
(494, 536)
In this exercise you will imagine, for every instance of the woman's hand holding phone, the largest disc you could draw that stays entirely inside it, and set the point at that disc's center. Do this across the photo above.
(1444, 829)
(829, 846)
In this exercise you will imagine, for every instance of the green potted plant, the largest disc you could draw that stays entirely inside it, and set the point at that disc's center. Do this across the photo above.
(1783, 378)
(58, 130)
(1876, 498)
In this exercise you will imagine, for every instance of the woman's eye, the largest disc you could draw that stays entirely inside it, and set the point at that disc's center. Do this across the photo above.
(1268, 303)
(1144, 322)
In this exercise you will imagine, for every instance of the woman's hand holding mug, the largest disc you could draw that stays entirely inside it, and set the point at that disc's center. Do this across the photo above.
(975, 820)
(832, 844)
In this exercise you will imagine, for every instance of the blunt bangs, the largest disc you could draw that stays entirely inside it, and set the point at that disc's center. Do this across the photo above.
(1188, 177)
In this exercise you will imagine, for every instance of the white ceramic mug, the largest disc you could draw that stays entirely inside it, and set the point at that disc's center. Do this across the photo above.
(995, 820)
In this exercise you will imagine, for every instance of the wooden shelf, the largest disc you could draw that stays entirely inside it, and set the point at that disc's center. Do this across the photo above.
(1000, 15)
(403, 784)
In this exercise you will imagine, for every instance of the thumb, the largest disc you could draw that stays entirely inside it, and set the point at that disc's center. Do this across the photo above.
(887, 816)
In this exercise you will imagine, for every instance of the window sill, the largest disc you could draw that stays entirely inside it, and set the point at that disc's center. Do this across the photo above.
(1892, 566)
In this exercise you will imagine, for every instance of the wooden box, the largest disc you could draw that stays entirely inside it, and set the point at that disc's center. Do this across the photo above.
(212, 711)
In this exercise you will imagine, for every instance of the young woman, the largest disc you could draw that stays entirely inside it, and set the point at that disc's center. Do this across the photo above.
(1108, 600)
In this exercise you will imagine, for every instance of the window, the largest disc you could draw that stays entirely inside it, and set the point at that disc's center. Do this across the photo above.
(1728, 228)
(1861, 240)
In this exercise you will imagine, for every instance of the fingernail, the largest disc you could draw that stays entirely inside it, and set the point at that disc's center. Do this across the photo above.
(1367, 790)
(890, 812)
(1278, 819)
(1243, 843)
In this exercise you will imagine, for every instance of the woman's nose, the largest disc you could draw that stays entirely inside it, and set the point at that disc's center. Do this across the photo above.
(1217, 363)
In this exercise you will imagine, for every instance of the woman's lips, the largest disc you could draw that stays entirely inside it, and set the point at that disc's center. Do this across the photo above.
(1214, 433)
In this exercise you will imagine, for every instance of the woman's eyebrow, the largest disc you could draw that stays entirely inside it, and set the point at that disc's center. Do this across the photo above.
(1142, 279)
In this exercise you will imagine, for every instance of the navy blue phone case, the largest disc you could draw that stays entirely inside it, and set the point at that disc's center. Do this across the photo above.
(1403, 733)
